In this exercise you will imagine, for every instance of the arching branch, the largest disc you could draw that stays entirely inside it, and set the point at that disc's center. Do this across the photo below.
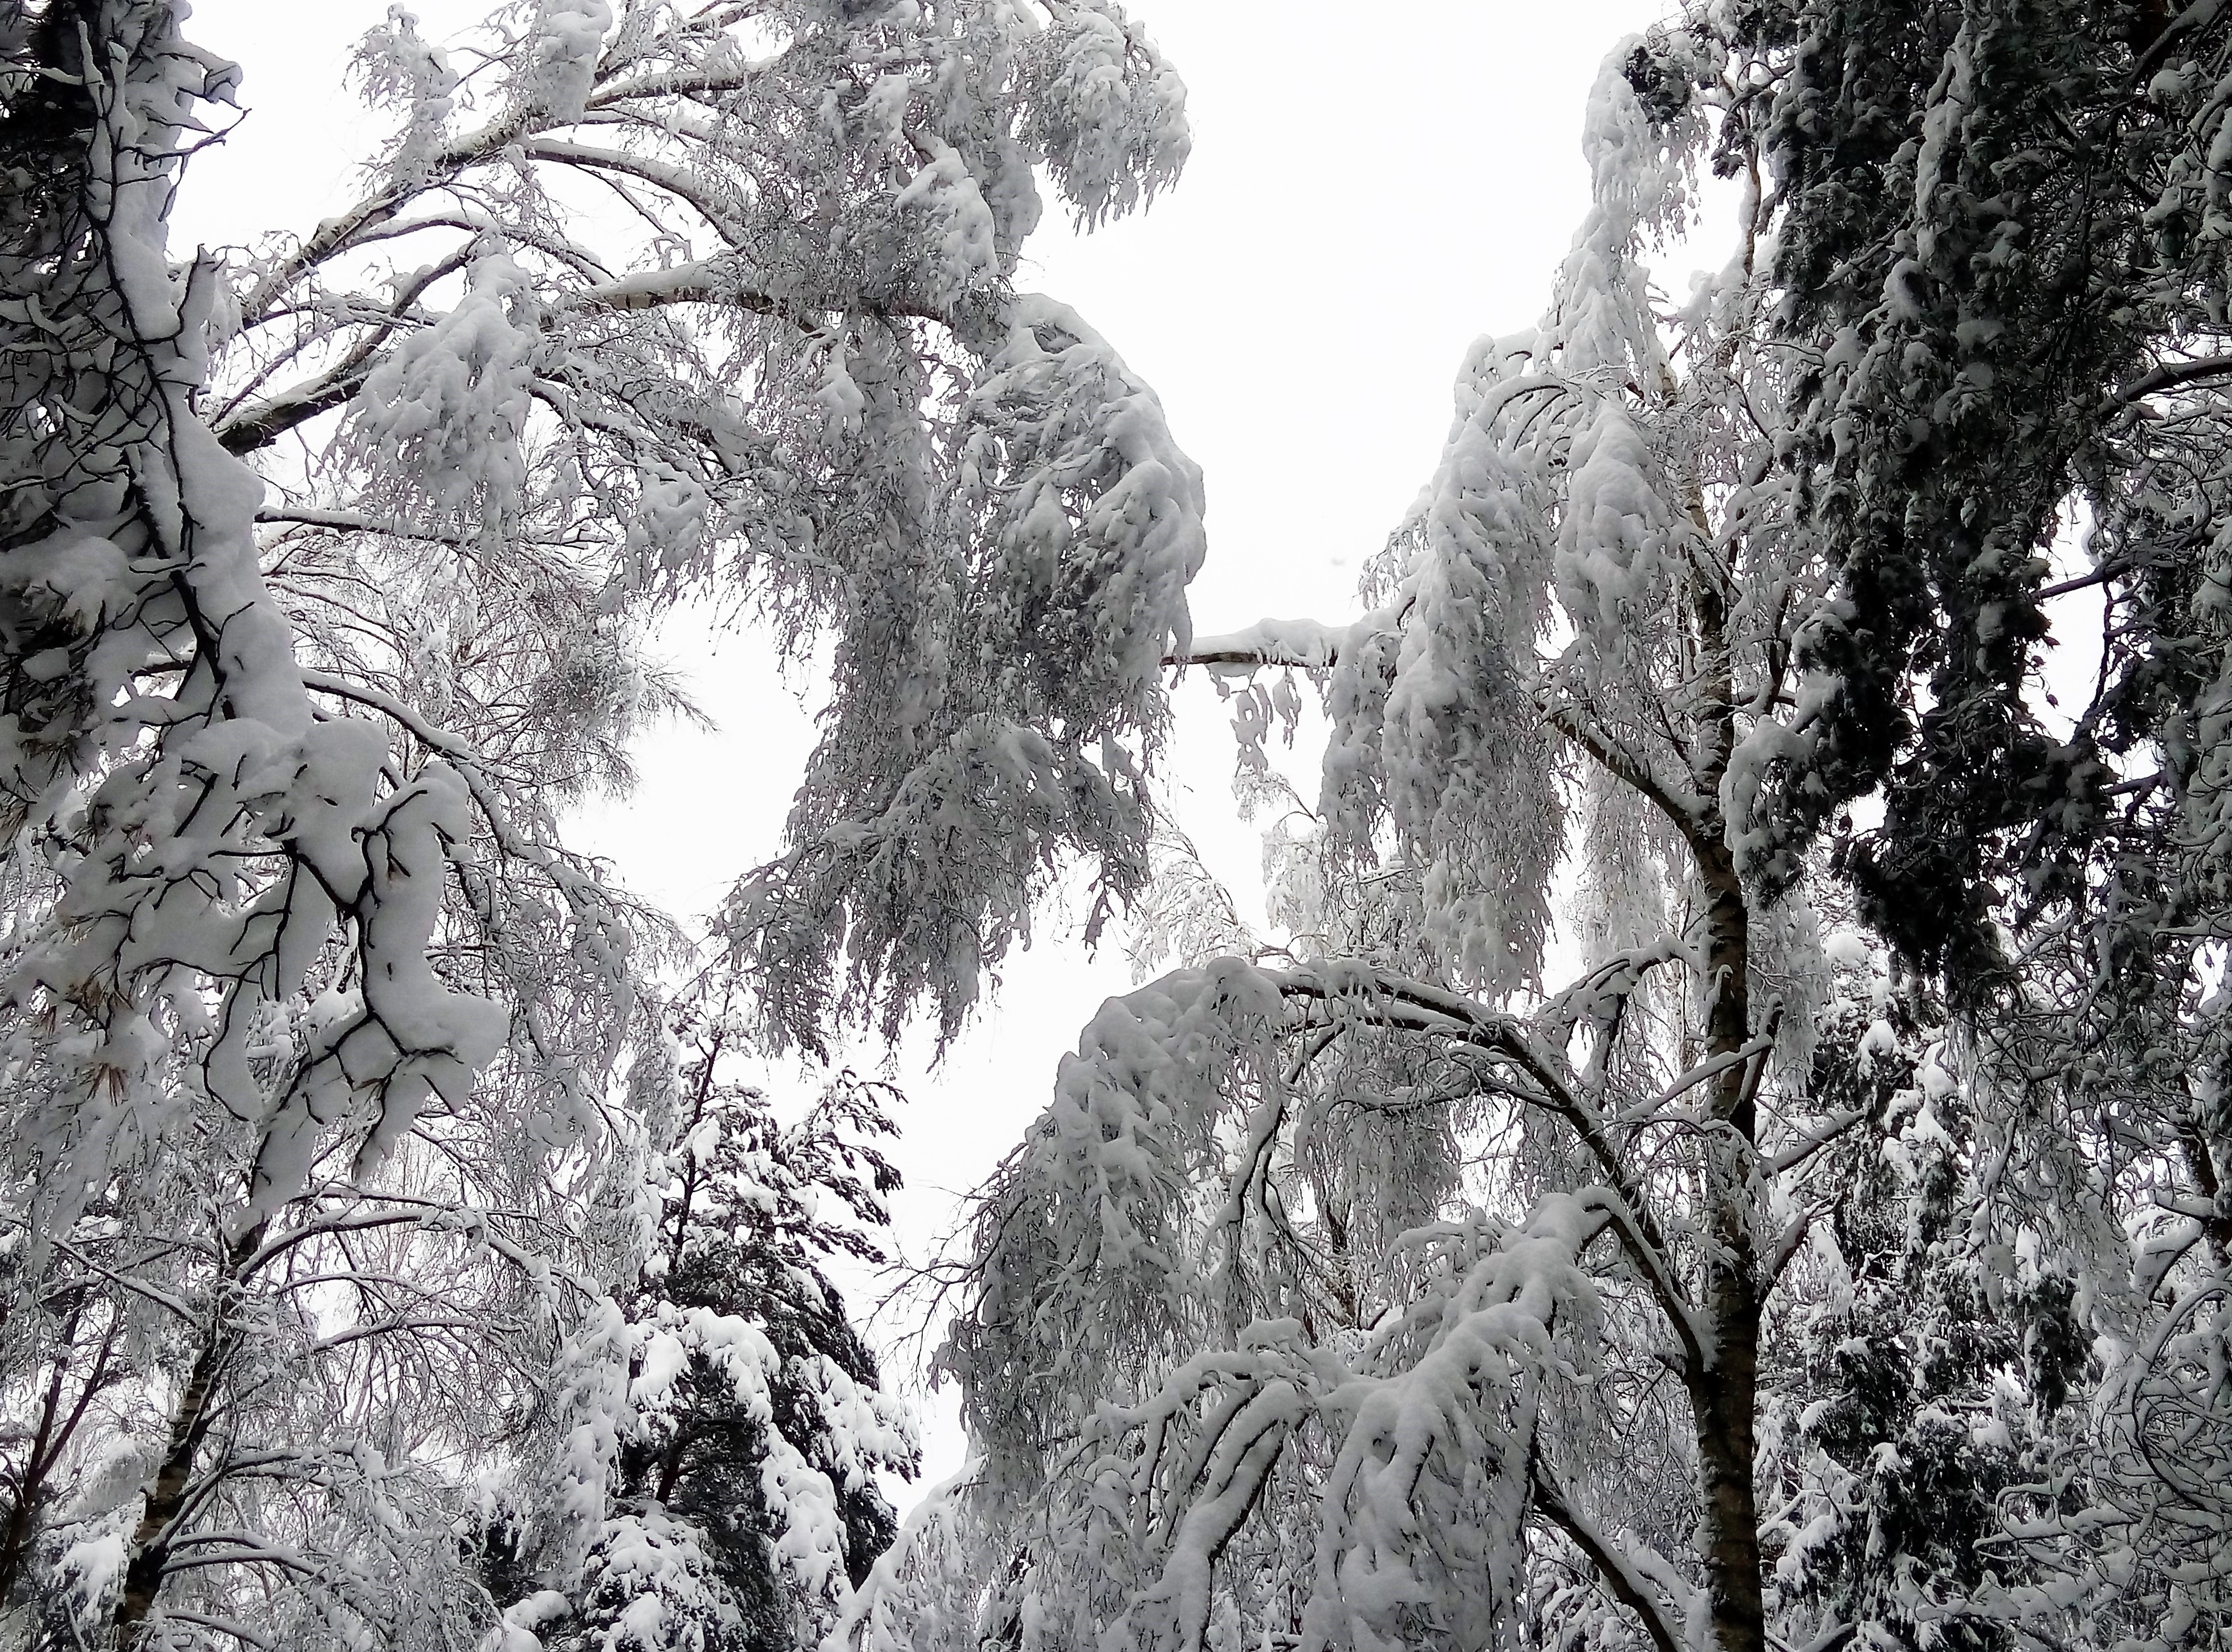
(1628, 1586)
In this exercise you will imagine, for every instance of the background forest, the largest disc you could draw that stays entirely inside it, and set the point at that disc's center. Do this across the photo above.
(1716, 1138)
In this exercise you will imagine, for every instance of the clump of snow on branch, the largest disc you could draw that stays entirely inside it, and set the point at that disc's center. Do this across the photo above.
(444, 417)
(1108, 116)
(565, 41)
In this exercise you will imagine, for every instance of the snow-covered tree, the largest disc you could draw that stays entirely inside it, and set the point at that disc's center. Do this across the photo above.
(1381, 1267)
(1755, 1287)
(725, 1498)
(324, 574)
(2001, 244)
(1843, 1252)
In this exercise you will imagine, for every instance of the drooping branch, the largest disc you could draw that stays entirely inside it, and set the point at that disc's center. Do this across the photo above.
(1366, 995)
(1628, 1585)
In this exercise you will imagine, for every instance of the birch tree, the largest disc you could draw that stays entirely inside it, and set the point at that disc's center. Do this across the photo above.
(1706, 1299)
(326, 574)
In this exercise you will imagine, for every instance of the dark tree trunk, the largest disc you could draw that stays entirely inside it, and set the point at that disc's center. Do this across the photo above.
(152, 1539)
(1724, 1396)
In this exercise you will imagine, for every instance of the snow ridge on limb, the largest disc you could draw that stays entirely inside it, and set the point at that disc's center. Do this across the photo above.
(1427, 1498)
(1423, 1504)
(215, 842)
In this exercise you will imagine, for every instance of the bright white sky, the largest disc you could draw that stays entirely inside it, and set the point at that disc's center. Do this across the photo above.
(1373, 186)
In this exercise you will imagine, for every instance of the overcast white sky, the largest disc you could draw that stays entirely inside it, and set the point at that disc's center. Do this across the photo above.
(1372, 185)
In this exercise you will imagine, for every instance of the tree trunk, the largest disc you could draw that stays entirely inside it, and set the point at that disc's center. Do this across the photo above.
(150, 1548)
(1723, 1403)
(1723, 1396)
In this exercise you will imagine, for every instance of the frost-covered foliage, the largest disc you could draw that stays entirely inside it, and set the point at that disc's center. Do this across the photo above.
(2011, 345)
(993, 707)
(796, 381)
(325, 573)
(1761, 1286)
